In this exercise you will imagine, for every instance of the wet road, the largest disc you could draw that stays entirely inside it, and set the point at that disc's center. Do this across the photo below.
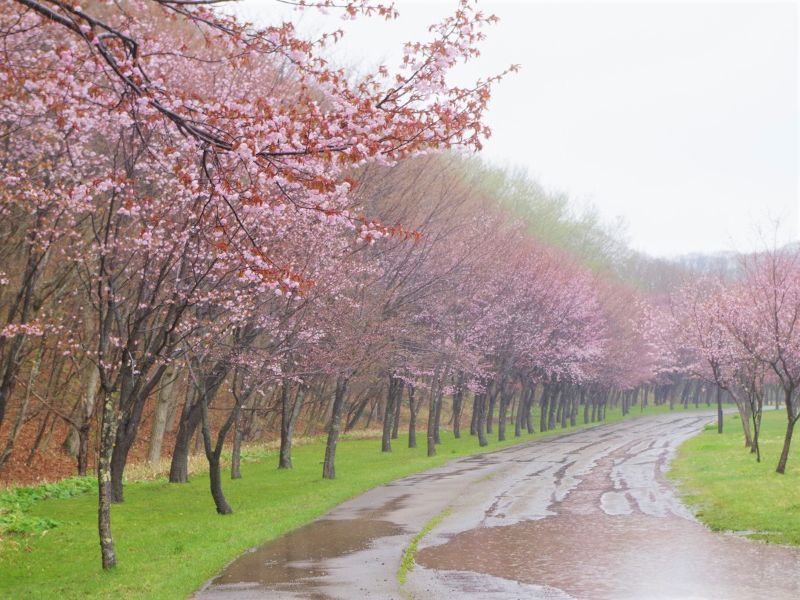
(583, 515)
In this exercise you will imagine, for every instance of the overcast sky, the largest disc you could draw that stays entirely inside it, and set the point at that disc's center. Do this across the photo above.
(679, 117)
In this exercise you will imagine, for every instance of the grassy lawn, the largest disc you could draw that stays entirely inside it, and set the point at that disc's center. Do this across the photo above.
(170, 540)
(731, 492)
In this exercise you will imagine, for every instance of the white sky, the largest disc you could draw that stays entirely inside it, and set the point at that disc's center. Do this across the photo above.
(679, 117)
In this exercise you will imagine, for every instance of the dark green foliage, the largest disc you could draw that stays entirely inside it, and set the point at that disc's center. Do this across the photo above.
(16, 502)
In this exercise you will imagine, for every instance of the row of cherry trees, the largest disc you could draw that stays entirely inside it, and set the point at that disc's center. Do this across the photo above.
(741, 333)
(205, 225)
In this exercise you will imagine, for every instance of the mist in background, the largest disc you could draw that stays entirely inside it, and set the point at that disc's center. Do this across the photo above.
(679, 119)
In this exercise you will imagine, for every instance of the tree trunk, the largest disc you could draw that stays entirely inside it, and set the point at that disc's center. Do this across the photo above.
(12, 363)
(573, 413)
(356, 413)
(437, 438)
(388, 414)
(481, 402)
(72, 444)
(134, 391)
(197, 393)
(458, 402)
(372, 411)
(787, 442)
(490, 410)
(432, 422)
(554, 402)
(187, 423)
(23, 410)
(83, 448)
(318, 395)
(12, 435)
(523, 400)
(398, 405)
(719, 409)
(126, 435)
(560, 407)
(236, 452)
(412, 419)
(213, 455)
(107, 434)
(543, 408)
(119, 457)
(529, 410)
(566, 406)
(50, 431)
(754, 444)
(215, 480)
(39, 437)
(329, 466)
(755, 408)
(787, 439)
(285, 454)
(179, 466)
(745, 413)
(163, 404)
(502, 417)
(473, 425)
(289, 413)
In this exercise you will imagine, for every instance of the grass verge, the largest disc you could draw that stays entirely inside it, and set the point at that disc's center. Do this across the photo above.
(170, 540)
(730, 491)
(410, 555)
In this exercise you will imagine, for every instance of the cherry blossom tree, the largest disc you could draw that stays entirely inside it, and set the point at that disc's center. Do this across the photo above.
(768, 303)
(175, 180)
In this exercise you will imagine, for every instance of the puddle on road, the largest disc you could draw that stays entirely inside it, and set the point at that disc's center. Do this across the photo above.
(644, 551)
(618, 532)
(635, 556)
(295, 560)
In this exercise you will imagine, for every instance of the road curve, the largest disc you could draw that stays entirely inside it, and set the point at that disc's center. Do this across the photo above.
(583, 515)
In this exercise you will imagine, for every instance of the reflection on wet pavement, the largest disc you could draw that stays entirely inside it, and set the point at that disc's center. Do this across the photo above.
(611, 541)
(293, 563)
(583, 515)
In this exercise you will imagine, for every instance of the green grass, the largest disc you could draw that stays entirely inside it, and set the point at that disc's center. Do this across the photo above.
(169, 538)
(729, 491)
(16, 503)
(410, 555)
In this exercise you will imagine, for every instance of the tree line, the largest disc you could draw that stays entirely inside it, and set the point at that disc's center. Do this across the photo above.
(739, 331)
(207, 227)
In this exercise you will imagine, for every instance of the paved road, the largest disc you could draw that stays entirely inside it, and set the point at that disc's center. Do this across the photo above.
(583, 515)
